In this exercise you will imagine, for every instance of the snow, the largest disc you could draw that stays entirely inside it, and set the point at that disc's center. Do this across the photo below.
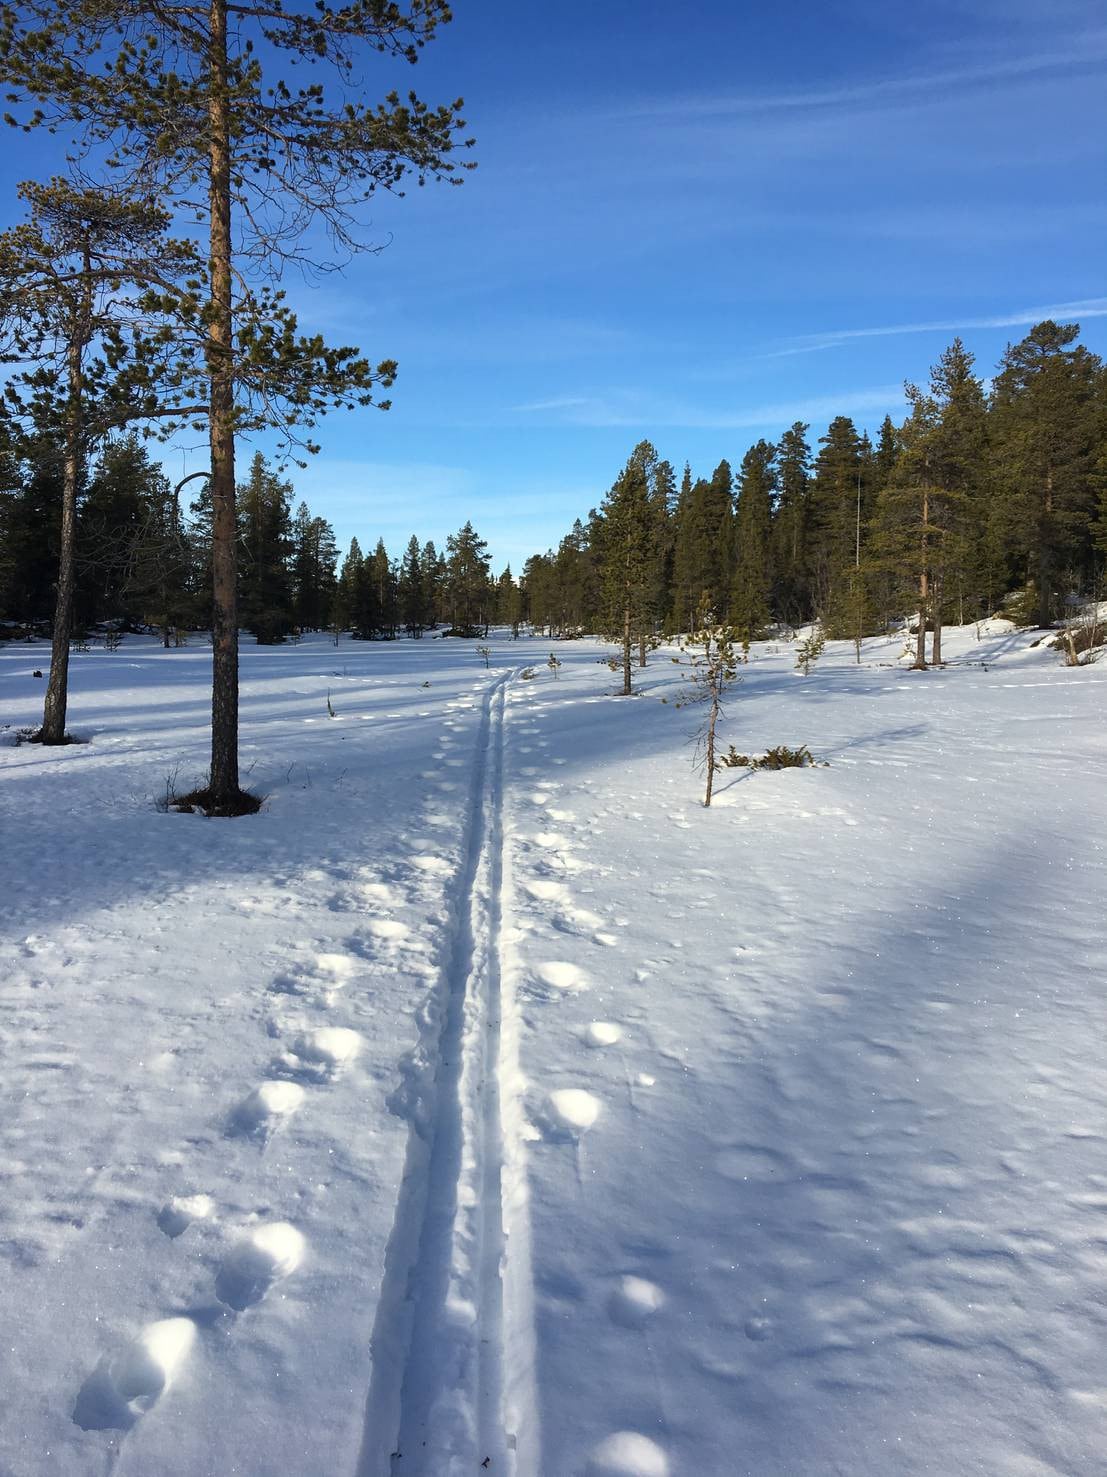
(485, 1097)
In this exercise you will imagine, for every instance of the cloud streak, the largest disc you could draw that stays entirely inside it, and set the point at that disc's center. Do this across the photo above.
(1094, 307)
(630, 411)
(1090, 51)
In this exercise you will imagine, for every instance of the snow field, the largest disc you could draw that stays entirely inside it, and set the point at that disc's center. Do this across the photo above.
(484, 1097)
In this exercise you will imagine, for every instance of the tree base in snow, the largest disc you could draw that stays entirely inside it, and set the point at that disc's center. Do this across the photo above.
(37, 737)
(242, 802)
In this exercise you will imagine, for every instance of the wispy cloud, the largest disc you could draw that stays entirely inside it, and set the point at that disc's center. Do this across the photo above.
(1089, 50)
(1093, 307)
(630, 410)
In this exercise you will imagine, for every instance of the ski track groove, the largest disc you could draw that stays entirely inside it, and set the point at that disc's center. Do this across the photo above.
(452, 1345)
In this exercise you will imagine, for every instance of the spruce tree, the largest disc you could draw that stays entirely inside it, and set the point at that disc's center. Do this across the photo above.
(431, 567)
(837, 510)
(792, 594)
(264, 504)
(467, 581)
(412, 593)
(313, 570)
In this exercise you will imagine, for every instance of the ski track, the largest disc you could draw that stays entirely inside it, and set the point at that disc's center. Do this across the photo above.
(454, 1306)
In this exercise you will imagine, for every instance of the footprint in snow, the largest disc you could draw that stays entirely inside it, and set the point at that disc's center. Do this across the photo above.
(267, 1105)
(546, 891)
(252, 1266)
(335, 968)
(387, 928)
(122, 1389)
(574, 1110)
(602, 1033)
(634, 1300)
(627, 1454)
(559, 974)
(319, 1055)
(177, 1215)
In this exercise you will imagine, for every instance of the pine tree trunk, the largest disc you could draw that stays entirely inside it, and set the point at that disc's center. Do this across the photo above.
(626, 651)
(642, 650)
(224, 535)
(936, 647)
(57, 690)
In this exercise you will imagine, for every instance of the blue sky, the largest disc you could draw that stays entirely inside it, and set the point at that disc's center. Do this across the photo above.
(699, 225)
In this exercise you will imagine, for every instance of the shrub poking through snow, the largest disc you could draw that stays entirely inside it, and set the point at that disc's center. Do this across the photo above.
(486, 653)
(554, 665)
(782, 757)
(528, 673)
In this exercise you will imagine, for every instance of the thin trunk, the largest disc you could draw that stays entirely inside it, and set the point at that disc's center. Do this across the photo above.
(924, 602)
(642, 650)
(936, 647)
(626, 650)
(224, 533)
(57, 691)
(712, 718)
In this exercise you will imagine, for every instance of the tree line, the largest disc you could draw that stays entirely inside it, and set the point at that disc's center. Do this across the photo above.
(142, 558)
(987, 497)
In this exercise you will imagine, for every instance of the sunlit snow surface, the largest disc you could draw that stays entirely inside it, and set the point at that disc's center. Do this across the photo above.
(794, 1111)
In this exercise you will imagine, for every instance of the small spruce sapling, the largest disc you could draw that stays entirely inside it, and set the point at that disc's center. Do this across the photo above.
(810, 649)
(554, 665)
(713, 659)
(486, 653)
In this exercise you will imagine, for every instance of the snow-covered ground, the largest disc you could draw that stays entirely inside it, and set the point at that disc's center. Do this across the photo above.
(485, 1104)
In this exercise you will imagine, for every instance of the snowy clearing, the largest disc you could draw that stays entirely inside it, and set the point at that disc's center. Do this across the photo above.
(486, 1104)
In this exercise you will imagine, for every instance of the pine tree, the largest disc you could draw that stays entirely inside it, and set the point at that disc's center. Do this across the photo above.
(960, 459)
(1044, 422)
(628, 554)
(72, 286)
